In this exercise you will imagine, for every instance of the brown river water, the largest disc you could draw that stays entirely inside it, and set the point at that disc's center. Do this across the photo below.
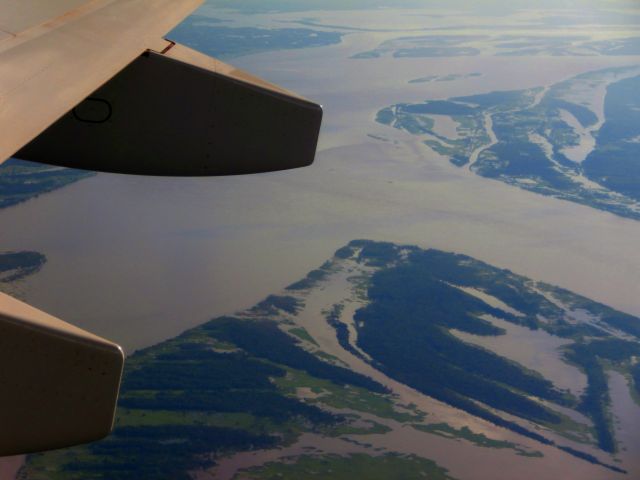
(139, 260)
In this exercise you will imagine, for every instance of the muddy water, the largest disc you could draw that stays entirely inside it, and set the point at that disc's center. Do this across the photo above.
(464, 460)
(308, 444)
(140, 259)
(626, 413)
(535, 349)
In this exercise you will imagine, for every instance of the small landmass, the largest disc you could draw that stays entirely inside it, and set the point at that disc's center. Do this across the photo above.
(426, 46)
(445, 78)
(476, 438)
(338, 467)
(18, 265)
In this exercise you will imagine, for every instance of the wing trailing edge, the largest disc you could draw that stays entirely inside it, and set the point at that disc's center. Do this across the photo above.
(181, 113)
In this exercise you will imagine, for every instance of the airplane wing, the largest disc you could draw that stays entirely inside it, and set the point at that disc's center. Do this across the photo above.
(92, 84)
(59, 383)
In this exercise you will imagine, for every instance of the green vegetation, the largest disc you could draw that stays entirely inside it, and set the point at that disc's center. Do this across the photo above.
(20, 180)
(590, 356)
(602, 314)
(263, 339)
(302, 334)
(209, 36)
(478, 439)
(346, 397)
(427, 46)
(335, 467)
(17, 265)
(184, 400)
(404, 329)
(414, 302)
(342, 331)
(534, 135)
(243, 383)
(311, 280)
(273, 303)
(615, 162)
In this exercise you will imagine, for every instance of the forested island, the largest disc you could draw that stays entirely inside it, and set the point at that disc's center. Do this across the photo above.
(264, 379)
(18, 265)
(577, 140)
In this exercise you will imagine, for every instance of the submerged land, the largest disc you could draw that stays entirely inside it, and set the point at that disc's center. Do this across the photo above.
(578, 140)
(382, 339)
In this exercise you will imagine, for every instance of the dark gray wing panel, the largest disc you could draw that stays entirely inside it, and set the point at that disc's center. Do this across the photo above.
(164, 116)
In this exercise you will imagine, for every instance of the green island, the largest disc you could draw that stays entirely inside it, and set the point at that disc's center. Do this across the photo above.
(18, 265)
(547, 140)
(426, 46)
(213, 37)
(479, 439)
(445, 78)
(21, 180)
(335, 467)
(229, 385)
(258, 380)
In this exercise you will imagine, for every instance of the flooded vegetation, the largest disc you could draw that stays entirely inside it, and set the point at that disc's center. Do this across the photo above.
(553, 141)
(277, 381)
(387, 358)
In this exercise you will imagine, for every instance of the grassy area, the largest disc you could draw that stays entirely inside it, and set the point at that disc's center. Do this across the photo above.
(478, 439)
(302, 334)
(228, 41)
(354, 466)
(346, 397)
(366, 427)
(569, 428)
